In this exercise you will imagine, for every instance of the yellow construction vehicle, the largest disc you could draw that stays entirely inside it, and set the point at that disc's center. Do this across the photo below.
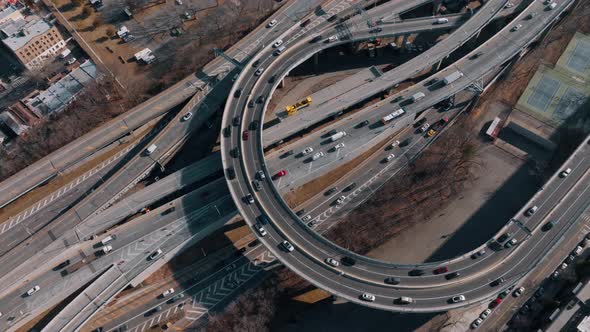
(292, 109)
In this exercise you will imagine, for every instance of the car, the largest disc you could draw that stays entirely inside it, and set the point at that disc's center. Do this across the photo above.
(539, 292)
(260, 229)
(33, 290)
(495, 303)
(306, 218)
(260, 99)
(260, 175)
(531, 211)
(577, 251)
(478, 254)
(177, 297)
(563, 266)
(259, 71)
(441, 270)
(570, 259)
(231, 173)
(256, 63)
(340, 200)
(509, 5)
(305, 23)
(518, 292)
(419, 122)
(504, 237)
(503, 294)
(331, 191)
(307, 150)
(300, 212)
(498, 282)
(187, 116)
(272, 23)
(548, 226)
(484, 314)
(236, 120)
(452, 275)
(62, 265)
(245, 135)
(525, 309)
(332, 39)
(362, 124)
(516, 27)
(251, 103)
(153, 310)
(256, 184)
(394, 144)
(458, 298)
(263, 219)
(350, 186)
(332, 261)
(273, 78)
(510, 243)
(238, 93)
(416, 273)
(392, 280)
(316, 39)
(254, 125)
(249, 198)
(424, 127)
(236, 152)
(530, 16)
(277, 43)
(389, 158)
(280, 174)
(431, 133)
(227, 131)
(317, 155)
(476, 323)
(155, 254)
(376, 30)
(555, 275)
(338, 146)
(72, 59)
(565, 172)
(168, 292)
(368, 297)
(288, 246)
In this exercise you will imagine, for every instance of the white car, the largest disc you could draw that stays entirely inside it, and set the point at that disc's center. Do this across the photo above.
(260, 175)
(332, 261)
(317, 155)
(458, 298)
(306, 218)
(71, 60)
(516, 27)
(250, 199)
(368, 297)
(272, 23)
(338, 146)
(518, 292)
(155, 254)
(168, 292)
(565, 172)
(33, 290)
(394, 144)
(390, 157)
(476, 323)
(277, 43)
(261, 230)
(563, 266)
(340, 200)
(288, 246)
(187, 116)
(259, 71)
(332, 39)
(307, 150)
(484, 314)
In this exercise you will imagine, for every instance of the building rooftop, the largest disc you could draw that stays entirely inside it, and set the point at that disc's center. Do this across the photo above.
(11, 28)
(6, 12)
(28, 32)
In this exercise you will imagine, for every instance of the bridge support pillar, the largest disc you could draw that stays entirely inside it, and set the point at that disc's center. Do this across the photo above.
(436, 66)
(316, 61)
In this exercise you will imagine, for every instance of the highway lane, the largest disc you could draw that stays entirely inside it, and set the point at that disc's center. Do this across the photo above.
(308, 249)
(134, 241)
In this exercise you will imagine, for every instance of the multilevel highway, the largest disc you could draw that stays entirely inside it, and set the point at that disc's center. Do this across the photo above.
(430, 292)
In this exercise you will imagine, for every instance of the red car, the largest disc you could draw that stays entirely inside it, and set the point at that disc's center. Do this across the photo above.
(245, 135)
(280, 174)
(442, 269)
(495, 303)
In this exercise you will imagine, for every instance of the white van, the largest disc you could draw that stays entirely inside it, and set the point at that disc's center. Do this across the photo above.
(150, 149)
(106, 249)
(332, 39)
(279, 50)
(442, 20)
(417, 96)
(108, 239)
(405, 300)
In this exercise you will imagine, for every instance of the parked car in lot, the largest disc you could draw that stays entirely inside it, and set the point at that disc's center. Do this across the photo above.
(504, 237)
(340, 200)
(518, 292)
(331, 191)
(510, 243)
(424, 127)
(307, 150)
(280, 173)
(338, 146)
(306, 218)
(495, 303)
(168, 292)
(389, 158)
(476, 323)
(484, 314)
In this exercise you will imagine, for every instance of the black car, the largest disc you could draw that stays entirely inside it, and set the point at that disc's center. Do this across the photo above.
(238, 93)
(231, 174)
(255, 63)
(227, 131)
(256, 185)
(362, 124)
(497, 282)
(376, 30)
(300, 212)
(260, 99)
(419, 122)
(62, 265)
(392, 280)
(331, 191)
(452, 275)
(272, 79)
(548, 226)
(254, 125)
(305, 23)
(316, 39)
(236, 152)
(251, 103)
(350, 186)
(236, 120)
(504, 237)
(416, 273)
(153, 310)
(263, 219)
(332, 18)
(348, 261)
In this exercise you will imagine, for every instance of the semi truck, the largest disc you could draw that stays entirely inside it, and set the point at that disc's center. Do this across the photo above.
(337, 136)
(88, 259)
(393, 115)
(452, 77)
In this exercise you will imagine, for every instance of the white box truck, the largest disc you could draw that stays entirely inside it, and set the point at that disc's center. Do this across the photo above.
(417, 96)
(150, 149)
(337, 136)
(442, 20)
(452, 77)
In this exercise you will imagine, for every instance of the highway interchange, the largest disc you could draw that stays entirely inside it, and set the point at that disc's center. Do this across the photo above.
(430, 292)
